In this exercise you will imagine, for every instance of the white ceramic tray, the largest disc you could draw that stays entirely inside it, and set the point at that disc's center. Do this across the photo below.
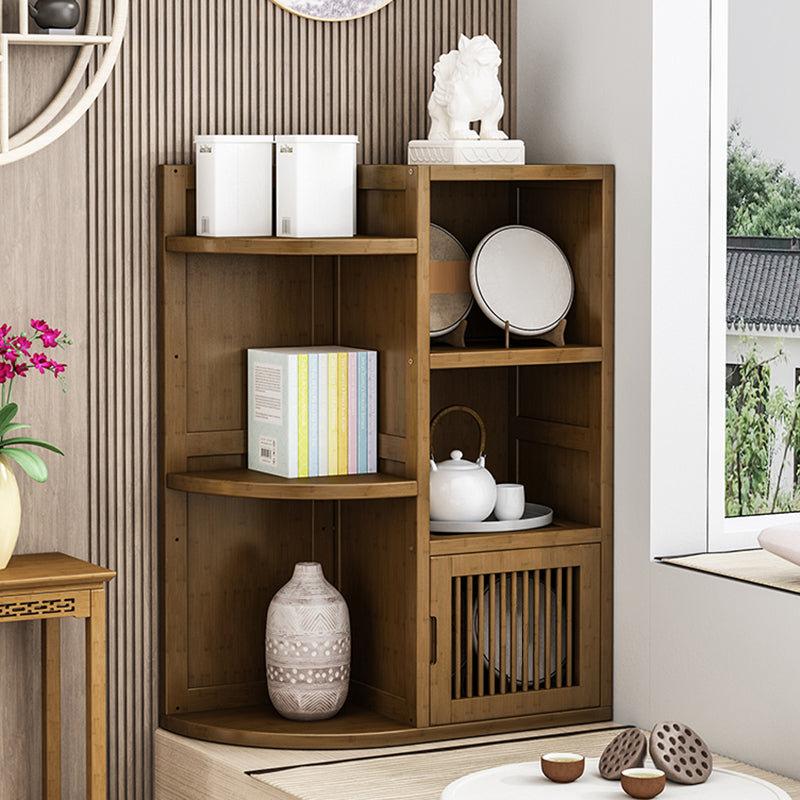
(525, 781)
(534, 516)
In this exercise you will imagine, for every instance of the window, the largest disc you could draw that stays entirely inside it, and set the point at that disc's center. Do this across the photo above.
(763, 270)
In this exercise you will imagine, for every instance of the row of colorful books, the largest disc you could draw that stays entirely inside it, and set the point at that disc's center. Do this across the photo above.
(312, 411)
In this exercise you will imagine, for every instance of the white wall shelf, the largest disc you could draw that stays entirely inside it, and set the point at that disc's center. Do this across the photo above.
(54, 39)
(49, 125)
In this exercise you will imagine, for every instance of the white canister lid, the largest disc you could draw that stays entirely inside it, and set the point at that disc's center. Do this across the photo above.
(233, 138)
(302, 138)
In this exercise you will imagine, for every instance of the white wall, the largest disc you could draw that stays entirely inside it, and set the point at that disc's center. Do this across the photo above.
(718, 655)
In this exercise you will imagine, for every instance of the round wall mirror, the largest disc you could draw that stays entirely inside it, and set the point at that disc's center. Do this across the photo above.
(331, 10)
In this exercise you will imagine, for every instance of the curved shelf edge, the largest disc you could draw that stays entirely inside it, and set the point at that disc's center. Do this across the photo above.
(282, 246)
(353, 727)
(75, 40)
(249, 483)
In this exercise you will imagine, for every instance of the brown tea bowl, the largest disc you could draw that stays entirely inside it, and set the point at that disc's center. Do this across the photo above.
(643, 782)
(562, 767)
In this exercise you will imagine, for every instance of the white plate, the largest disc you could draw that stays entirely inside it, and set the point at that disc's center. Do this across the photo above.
(449, 308)
(525, 781)
(519, 275)
(534, 516)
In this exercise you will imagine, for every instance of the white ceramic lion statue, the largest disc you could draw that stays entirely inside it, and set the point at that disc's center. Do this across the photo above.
(466, 89)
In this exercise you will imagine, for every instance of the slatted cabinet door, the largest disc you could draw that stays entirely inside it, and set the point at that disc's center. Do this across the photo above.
(517, 633)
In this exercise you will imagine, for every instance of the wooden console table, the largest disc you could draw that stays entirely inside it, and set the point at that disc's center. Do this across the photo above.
(48, 586)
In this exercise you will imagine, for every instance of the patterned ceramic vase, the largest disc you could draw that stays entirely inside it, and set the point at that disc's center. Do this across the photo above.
(308, 646)
(10, 512)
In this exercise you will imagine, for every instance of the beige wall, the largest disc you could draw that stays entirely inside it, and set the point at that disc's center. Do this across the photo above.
(77, 245)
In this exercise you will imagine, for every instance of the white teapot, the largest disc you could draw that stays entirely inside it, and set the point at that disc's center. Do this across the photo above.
(461, 490)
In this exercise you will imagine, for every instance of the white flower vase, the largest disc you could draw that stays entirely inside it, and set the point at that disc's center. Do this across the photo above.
(10, 512)
(308, 646)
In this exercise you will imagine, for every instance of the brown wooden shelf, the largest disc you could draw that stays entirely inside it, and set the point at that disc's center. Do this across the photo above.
(560, 532)
(249, 483)
(453, 358)
(352, 727)
(282, 246)
(521, 172)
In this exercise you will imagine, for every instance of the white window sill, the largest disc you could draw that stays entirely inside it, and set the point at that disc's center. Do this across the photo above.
(751, 566)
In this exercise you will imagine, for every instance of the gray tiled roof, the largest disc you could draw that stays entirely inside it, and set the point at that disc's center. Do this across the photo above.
(763, 283)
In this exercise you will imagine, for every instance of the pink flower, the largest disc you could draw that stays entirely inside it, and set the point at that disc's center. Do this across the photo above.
(6, 372)
(23, 345)
(4, 331)
(57, 368)
(21, 369)
(40, 325)
(50, 337)
(40, 362)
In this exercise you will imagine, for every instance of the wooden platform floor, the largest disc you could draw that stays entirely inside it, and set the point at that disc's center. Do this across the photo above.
(188, 769)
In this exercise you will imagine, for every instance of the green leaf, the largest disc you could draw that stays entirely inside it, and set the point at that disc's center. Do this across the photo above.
(30, 462)
(7, 413)
(13, 427)
(28, 440)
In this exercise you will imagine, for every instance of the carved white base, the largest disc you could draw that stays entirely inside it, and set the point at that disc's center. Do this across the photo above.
(467, 151)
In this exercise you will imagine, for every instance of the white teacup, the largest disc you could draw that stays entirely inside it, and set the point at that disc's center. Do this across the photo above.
(510, 503)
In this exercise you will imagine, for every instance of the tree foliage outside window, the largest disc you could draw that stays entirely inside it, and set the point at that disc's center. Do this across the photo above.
(763, 198)
(762, 432)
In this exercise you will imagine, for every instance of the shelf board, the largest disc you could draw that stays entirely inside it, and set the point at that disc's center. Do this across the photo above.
(352, 727)
(54, 39)
(520, 172)
(277, 245)
(560, 532)
(454, 358)
(249, 483)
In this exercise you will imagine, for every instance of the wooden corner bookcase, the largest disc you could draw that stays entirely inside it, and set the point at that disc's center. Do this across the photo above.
(452, 634)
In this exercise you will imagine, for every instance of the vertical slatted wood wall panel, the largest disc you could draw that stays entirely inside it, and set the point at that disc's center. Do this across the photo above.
(216, 66)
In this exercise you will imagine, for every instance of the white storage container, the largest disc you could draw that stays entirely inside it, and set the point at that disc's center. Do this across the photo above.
(315, 192)
(234, 185)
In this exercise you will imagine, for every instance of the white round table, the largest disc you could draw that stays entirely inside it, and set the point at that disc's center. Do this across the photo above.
(525, 781)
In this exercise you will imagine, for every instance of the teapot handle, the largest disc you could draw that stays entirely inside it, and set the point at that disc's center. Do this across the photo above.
(472, 412)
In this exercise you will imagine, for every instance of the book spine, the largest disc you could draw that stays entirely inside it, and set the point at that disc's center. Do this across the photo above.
(372, 411)
(333, 414)
(302, 415)
(322, 421)
(313, 415)
(293, 419)
(342, 422)
(352, 413)
(363, 379)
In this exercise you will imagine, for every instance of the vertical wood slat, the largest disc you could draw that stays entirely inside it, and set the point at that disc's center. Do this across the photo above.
(571, 624)
(458, 584)
(469, 617)
(492, 623)
(479, 665)
(503, 638)
(526, 630)
(537, 637)
(513, 616)
(559, 620)
(548, 628)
